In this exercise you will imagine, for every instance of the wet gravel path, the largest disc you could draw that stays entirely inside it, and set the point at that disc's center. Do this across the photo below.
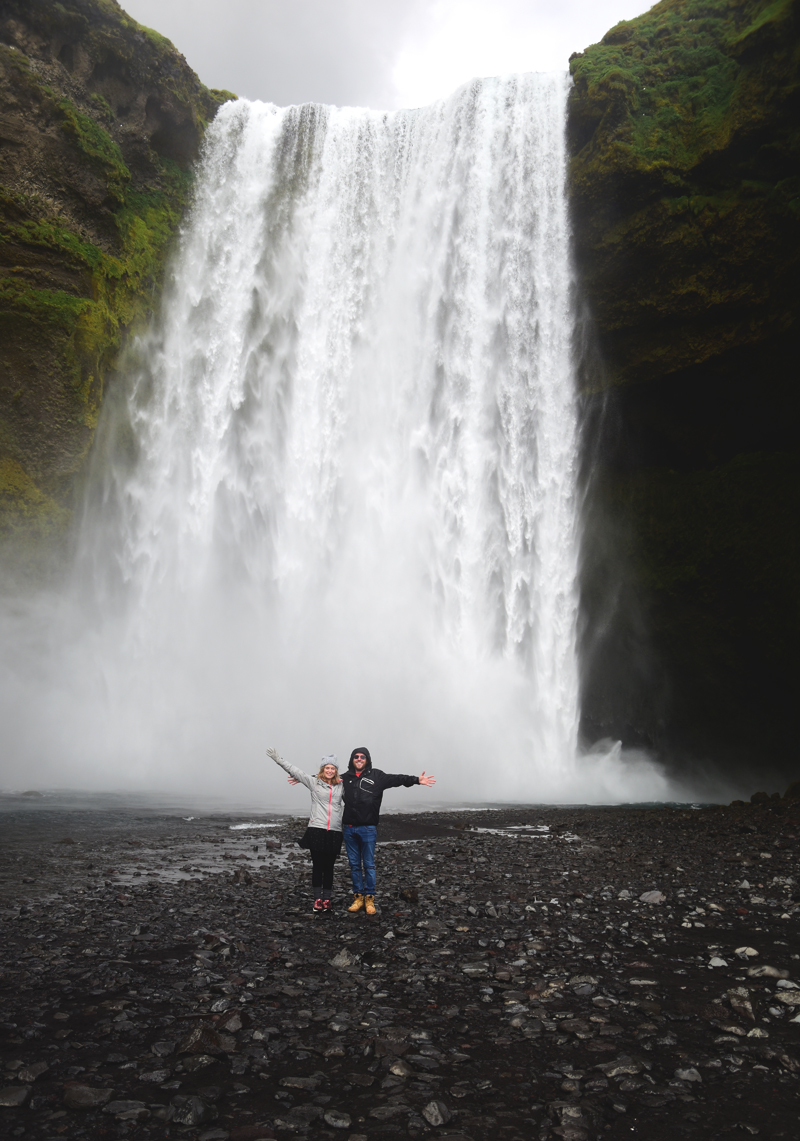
(559, 972)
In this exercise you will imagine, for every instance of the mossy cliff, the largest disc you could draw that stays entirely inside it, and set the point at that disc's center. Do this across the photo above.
(684, 133)
(101, 119)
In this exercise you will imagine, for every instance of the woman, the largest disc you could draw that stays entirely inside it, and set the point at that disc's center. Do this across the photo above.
(324, 833)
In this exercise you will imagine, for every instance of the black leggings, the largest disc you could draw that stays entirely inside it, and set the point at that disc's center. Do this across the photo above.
(322, 873)
(325, 847)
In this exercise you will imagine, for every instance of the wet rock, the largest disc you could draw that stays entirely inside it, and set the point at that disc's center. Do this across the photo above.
(201, 1040)
(387, 1112)
(336, 1119)
(344, 959)
(739, 998)
(31, 1073)
(305, 1114)
(436, 1113)
(300, 1083)
(621, 1065)
(191, 1110)
(14, 1096)
(198, 1062)
(231, 1022)
(766, 972)
(86, 1097)
(127, 1110)
(690, 1074)
(361, 1079)
(577, 1026)
(421, 1062)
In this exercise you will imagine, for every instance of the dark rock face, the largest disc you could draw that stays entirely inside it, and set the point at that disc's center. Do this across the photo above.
(685, 142)
(100, 122)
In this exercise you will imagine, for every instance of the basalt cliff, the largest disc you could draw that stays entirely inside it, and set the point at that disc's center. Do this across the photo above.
(684, 135)
(100, 122)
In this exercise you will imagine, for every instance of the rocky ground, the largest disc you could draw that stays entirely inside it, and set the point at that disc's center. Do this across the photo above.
(567, 972)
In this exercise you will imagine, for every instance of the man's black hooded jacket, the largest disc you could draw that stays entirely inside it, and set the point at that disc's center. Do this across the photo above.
(363, 793)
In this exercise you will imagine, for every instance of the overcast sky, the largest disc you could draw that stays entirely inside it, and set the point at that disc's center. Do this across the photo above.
(374, 53)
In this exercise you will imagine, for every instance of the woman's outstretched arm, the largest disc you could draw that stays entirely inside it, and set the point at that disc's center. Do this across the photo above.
(292, 770)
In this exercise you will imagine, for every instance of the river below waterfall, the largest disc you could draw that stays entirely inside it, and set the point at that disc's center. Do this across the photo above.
(334, 495)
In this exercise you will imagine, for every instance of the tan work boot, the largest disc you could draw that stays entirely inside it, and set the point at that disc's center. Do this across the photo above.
(369, 903)
(357, 904)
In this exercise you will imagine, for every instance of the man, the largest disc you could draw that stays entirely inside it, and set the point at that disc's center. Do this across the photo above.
(363, 791)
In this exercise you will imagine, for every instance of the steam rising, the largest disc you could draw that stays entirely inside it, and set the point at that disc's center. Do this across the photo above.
(337, 501)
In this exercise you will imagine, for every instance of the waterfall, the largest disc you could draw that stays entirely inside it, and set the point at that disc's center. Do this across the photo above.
(336, 501)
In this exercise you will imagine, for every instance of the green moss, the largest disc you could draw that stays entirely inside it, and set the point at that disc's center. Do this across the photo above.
(41, 306)
(26, 513)
(684, 176)
(102, 106)
(98, 146)
(51, 234)
(156, 39)
(675, 85)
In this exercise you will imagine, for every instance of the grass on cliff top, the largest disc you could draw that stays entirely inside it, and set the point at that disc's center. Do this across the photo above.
(675, 69)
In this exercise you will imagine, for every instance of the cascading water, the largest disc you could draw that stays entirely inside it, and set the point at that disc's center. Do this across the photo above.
(338, 501)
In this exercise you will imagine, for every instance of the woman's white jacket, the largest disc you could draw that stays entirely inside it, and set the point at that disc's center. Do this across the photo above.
(326, 799)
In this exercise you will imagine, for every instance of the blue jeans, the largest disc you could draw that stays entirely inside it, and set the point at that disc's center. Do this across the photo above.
(359, 840)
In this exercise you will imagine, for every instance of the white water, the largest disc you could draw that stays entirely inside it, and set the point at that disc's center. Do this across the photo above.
(338, 502)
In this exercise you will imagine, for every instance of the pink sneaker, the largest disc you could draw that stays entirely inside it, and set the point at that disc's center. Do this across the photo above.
(319, 905)
(326, 905)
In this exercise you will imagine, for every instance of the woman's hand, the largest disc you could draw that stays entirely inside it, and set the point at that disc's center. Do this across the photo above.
(427, 781)
(293, 781)
(273, 752)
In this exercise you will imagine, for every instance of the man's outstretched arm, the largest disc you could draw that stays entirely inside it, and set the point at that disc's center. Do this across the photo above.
(397, 780)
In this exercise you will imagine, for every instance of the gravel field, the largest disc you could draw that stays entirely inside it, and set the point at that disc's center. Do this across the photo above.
(532, 973)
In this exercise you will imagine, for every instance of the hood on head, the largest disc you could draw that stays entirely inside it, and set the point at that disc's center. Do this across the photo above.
(360, 749)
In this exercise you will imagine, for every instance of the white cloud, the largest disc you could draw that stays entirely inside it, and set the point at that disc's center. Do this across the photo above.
(456, 40)
(378, 53)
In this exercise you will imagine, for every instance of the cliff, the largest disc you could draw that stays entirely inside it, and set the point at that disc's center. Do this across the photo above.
(101, 119)
(684, 136)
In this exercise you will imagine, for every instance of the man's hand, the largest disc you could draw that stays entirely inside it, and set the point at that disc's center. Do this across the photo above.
(273, 752)
(293, 781)
(427, 781)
